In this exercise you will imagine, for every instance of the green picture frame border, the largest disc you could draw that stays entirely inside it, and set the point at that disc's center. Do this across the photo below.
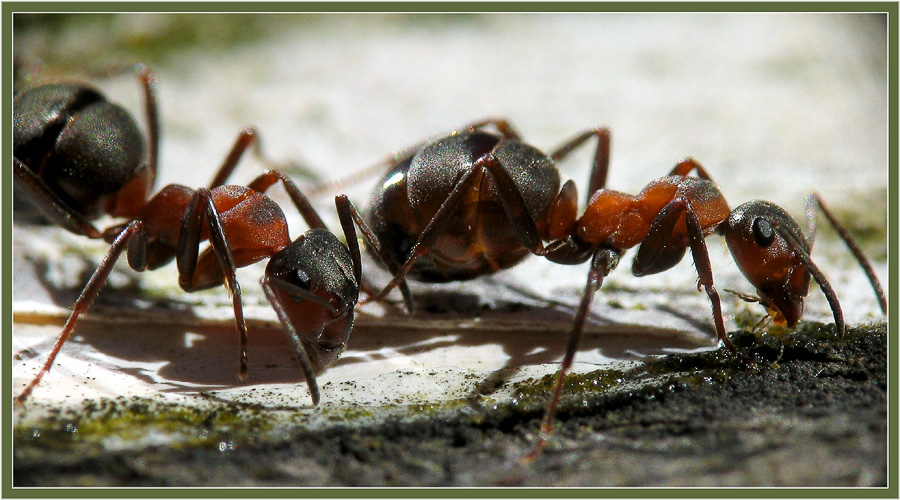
(9, 9)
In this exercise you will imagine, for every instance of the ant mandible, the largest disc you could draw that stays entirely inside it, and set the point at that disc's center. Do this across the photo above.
(78, 156)
(474, 202)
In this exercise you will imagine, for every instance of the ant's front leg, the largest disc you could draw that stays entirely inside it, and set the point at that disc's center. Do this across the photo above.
(659, 251)
(201, 206)
(347, 208)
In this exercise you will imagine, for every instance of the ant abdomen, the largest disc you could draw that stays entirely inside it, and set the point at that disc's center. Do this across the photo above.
(80, 145)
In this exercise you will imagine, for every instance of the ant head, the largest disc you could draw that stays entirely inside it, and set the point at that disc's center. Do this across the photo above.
(769, 261)
(313, 288)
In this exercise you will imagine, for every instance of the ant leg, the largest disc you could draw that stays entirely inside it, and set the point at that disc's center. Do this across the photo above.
(601, 157)
(98, 279)
(306, 366)
(704, 270)
(394, 158)
(851, 244)
(244, 140)
(247, 138)
(268, 178)
(515, 207)
(602, 263)
(379, 251)
(343, 206)
(51, 205)
(562, 214)
(403, 155)
(148, 81)
(687, 165)
(659, 252)
(186, 259)
(502, 125)
(437, 224)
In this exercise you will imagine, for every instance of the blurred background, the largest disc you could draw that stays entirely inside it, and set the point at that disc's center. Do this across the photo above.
(774, 105)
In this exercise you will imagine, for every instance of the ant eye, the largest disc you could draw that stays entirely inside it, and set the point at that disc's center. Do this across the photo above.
(300, 278)
(763, 232)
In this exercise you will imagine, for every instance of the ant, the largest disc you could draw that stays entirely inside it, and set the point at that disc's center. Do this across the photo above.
(474, 202)
(79, 156)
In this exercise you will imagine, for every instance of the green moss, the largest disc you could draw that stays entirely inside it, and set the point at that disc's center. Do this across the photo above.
(759, 350)
(100, 424)
(533, 394)
(434, 409)
(349, 414)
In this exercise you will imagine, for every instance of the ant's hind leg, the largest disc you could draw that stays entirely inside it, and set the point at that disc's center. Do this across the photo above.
(600, 167)
(602, 263)
(98, 279)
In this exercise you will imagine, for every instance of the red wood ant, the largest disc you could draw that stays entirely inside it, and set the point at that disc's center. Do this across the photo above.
(78, 156)
(473, 202)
